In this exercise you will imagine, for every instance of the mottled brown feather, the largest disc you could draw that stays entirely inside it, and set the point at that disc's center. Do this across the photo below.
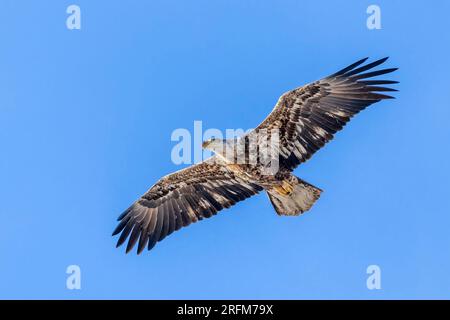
(308, 117)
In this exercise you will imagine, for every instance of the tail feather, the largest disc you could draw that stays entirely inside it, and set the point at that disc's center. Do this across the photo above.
(293, 196)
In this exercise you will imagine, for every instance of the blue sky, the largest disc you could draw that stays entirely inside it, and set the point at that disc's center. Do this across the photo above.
(85, 123)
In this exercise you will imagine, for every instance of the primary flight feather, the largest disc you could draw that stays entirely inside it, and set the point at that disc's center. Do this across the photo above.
(304, 119)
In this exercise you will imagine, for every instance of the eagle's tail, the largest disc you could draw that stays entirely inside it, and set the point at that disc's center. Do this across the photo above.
(293, 196)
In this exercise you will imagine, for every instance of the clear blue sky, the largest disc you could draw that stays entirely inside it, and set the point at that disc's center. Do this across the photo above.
(85, 123)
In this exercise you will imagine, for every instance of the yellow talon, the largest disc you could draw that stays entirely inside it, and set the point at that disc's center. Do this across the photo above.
(284, 189)
(288, 187)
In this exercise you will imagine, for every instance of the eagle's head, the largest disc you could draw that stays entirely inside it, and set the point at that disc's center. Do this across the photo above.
(225, 149)
(214, 144)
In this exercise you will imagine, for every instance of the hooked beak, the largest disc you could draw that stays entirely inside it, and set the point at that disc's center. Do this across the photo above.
(206, 143)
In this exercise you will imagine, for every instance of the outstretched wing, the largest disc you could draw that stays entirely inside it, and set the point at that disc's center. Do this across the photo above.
(179, 199)
(307, 118)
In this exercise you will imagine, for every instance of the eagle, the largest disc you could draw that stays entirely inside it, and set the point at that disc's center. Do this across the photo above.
(304, 120)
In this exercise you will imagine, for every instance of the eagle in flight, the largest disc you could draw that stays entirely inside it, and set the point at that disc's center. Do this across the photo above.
(305, 119)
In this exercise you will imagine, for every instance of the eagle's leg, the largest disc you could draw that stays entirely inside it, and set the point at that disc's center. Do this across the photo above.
(292, 196)
(285, 188)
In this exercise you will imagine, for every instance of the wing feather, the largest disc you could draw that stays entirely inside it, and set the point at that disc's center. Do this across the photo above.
(307, 118)
(179, 199)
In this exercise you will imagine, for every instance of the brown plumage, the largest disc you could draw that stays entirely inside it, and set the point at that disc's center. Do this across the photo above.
(305, 118)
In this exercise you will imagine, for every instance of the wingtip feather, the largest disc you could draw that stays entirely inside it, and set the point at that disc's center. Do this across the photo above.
(349, 68)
